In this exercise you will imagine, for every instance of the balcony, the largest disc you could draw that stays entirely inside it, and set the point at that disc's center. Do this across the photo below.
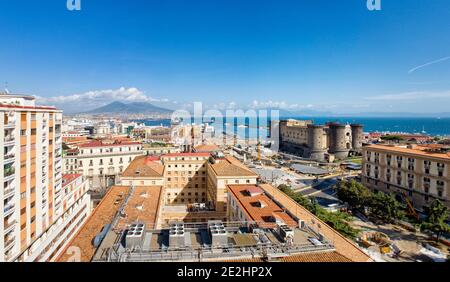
(9, 173)
(9, 226)
(9, 158)
(9, 140)
(9, 244)
(8, 209)
(7, 193)
(10, 124)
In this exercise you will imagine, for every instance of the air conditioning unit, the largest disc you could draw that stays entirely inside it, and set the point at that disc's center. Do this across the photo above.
(176, 235)
(135, 235)
(285, 232)
(219, 235)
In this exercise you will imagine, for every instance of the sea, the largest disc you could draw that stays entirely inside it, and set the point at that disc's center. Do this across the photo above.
(422, 125)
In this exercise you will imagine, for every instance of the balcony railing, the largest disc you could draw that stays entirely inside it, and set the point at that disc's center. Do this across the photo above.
(9, 226)
(8, 209)
(10, 124)
(8, 192)
(9, 244)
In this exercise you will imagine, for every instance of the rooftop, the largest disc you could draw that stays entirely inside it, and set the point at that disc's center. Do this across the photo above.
(230, 166)
(103, 214)
(430, 151)
(198, 154)
(207, 148)
(142, 206)
(144, 166)
(260, 207)
(101, 143)
(324, 256)
(69, 178)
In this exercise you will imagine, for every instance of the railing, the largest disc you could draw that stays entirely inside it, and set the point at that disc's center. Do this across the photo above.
(8, 208)
(9, 156)
(9, 138)
(10, 124)
(9, 244)
(9, 226)
(8, 191)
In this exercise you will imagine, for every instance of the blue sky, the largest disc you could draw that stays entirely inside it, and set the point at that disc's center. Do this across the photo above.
(319, 55)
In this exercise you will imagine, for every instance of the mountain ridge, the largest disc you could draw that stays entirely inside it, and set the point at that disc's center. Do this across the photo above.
(129, 108)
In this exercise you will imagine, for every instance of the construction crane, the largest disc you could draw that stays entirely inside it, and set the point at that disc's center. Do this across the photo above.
(411, 209)
(259, 151)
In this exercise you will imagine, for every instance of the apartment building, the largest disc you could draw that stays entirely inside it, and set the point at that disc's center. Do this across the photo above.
(102, 161)
(31, 172)
(419, 172)
(224, 171)
(194, 184)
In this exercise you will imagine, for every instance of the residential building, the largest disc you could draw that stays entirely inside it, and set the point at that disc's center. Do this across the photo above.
(33, 208)
(420, 173)
(102, 161)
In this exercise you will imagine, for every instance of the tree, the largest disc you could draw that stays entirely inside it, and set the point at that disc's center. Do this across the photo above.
(337, 220)
(386, 207)
(356, 195)
(436, 216)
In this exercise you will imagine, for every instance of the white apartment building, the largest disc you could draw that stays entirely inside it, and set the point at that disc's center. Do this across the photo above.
(103, 162)
(31, 172)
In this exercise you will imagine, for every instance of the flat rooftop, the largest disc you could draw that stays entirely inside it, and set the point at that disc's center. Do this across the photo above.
(241, 240)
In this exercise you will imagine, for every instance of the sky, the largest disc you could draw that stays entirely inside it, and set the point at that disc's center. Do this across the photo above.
(301, 55)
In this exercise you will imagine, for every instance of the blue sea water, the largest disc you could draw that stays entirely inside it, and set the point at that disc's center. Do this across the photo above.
(431, 126)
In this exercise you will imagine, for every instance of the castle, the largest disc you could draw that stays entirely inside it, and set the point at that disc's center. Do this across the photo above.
(320, 142)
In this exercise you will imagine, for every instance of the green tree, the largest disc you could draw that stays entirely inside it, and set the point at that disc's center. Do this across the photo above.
(386, 207)
(356, 195)
(436, 216)
(337, 220)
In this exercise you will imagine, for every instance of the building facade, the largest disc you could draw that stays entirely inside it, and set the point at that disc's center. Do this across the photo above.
(319, 142)
(102, 161)
(32, 207)
(421, 173)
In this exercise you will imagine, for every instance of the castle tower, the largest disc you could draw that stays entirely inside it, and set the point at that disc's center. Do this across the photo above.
(338, 143)
(316, 142)
(357, 137)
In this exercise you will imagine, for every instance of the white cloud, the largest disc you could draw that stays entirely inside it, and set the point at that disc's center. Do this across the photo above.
(100, 96)
(410, 96)
(278, 104)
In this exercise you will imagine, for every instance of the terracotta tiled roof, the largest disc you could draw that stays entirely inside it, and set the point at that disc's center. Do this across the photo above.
(306, 257)
(207, 148)
(143, 166)
(99, 143)
(231, 167)
(251, 206)
(419, 150)
(68, 178)
(103, 214)
(201, 154)
(317, 257)
(142, 206)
